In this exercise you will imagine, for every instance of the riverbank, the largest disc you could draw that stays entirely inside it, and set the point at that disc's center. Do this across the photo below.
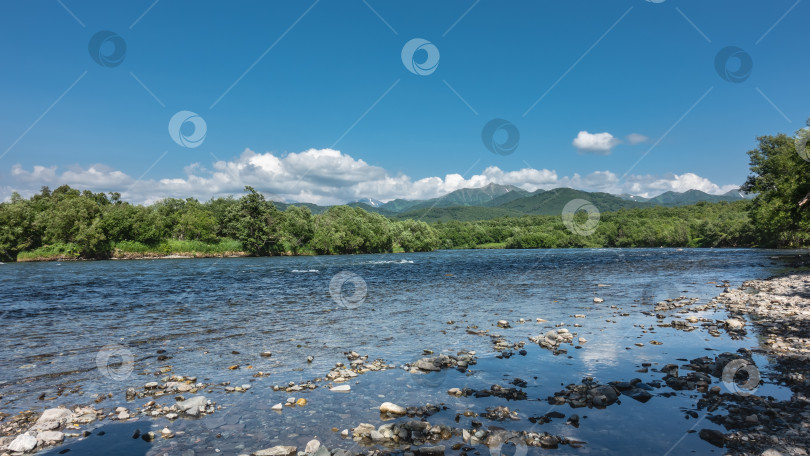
(777, 312)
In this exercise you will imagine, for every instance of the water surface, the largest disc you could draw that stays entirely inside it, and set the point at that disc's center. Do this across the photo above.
(57, 317)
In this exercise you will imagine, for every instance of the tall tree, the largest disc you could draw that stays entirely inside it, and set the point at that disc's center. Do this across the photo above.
(255, 222)
(780, 180)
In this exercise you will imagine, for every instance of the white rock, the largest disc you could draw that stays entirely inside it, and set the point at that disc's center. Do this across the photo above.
(277, 451)
(62, 415)
(734, 324)
(341, 388)
(46, 426)
(23, 443)
(363, 429)
(392, 409)
(598, 300)
(51, 437)
(123, 415)
(277, 407)
(193, 403)
(312, 446)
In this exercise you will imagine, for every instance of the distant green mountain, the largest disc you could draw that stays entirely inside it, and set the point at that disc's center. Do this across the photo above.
(460, 213)
(493, 201)
(691, 197)
(369, 208)
(517, 193)
(552, 202)
(483, 196)
(399, 205)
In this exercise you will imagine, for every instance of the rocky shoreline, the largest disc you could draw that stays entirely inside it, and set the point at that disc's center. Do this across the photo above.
(776, 310)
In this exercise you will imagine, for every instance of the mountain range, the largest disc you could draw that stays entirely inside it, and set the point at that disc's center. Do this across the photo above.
(496, 200)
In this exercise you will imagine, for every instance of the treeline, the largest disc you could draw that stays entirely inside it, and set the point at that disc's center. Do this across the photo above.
(68, 223)
(701, 225)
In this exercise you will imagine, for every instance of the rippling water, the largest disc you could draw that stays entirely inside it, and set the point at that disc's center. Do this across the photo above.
(56, 317)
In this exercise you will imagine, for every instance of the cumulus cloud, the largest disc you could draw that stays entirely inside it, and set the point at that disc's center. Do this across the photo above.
(648, 186)
(636, 138)
(598, 143)
(327, 176)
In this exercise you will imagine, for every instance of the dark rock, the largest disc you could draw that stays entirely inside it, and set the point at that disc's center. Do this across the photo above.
(713, 436)
(638, 394)
(437, 450)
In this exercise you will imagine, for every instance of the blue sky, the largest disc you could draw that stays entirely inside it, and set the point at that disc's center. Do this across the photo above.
(311, 101)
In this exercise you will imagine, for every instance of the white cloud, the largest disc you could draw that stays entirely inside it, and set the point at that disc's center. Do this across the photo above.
(636, 138)
(329, 176)
(648, 186)
(598, 143)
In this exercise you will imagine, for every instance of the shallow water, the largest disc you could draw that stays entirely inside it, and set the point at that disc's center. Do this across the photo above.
(58, 317)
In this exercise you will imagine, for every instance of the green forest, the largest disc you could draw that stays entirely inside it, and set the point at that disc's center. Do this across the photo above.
(67, 223)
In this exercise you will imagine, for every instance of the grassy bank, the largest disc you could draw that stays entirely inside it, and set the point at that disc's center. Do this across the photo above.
(133, 250)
